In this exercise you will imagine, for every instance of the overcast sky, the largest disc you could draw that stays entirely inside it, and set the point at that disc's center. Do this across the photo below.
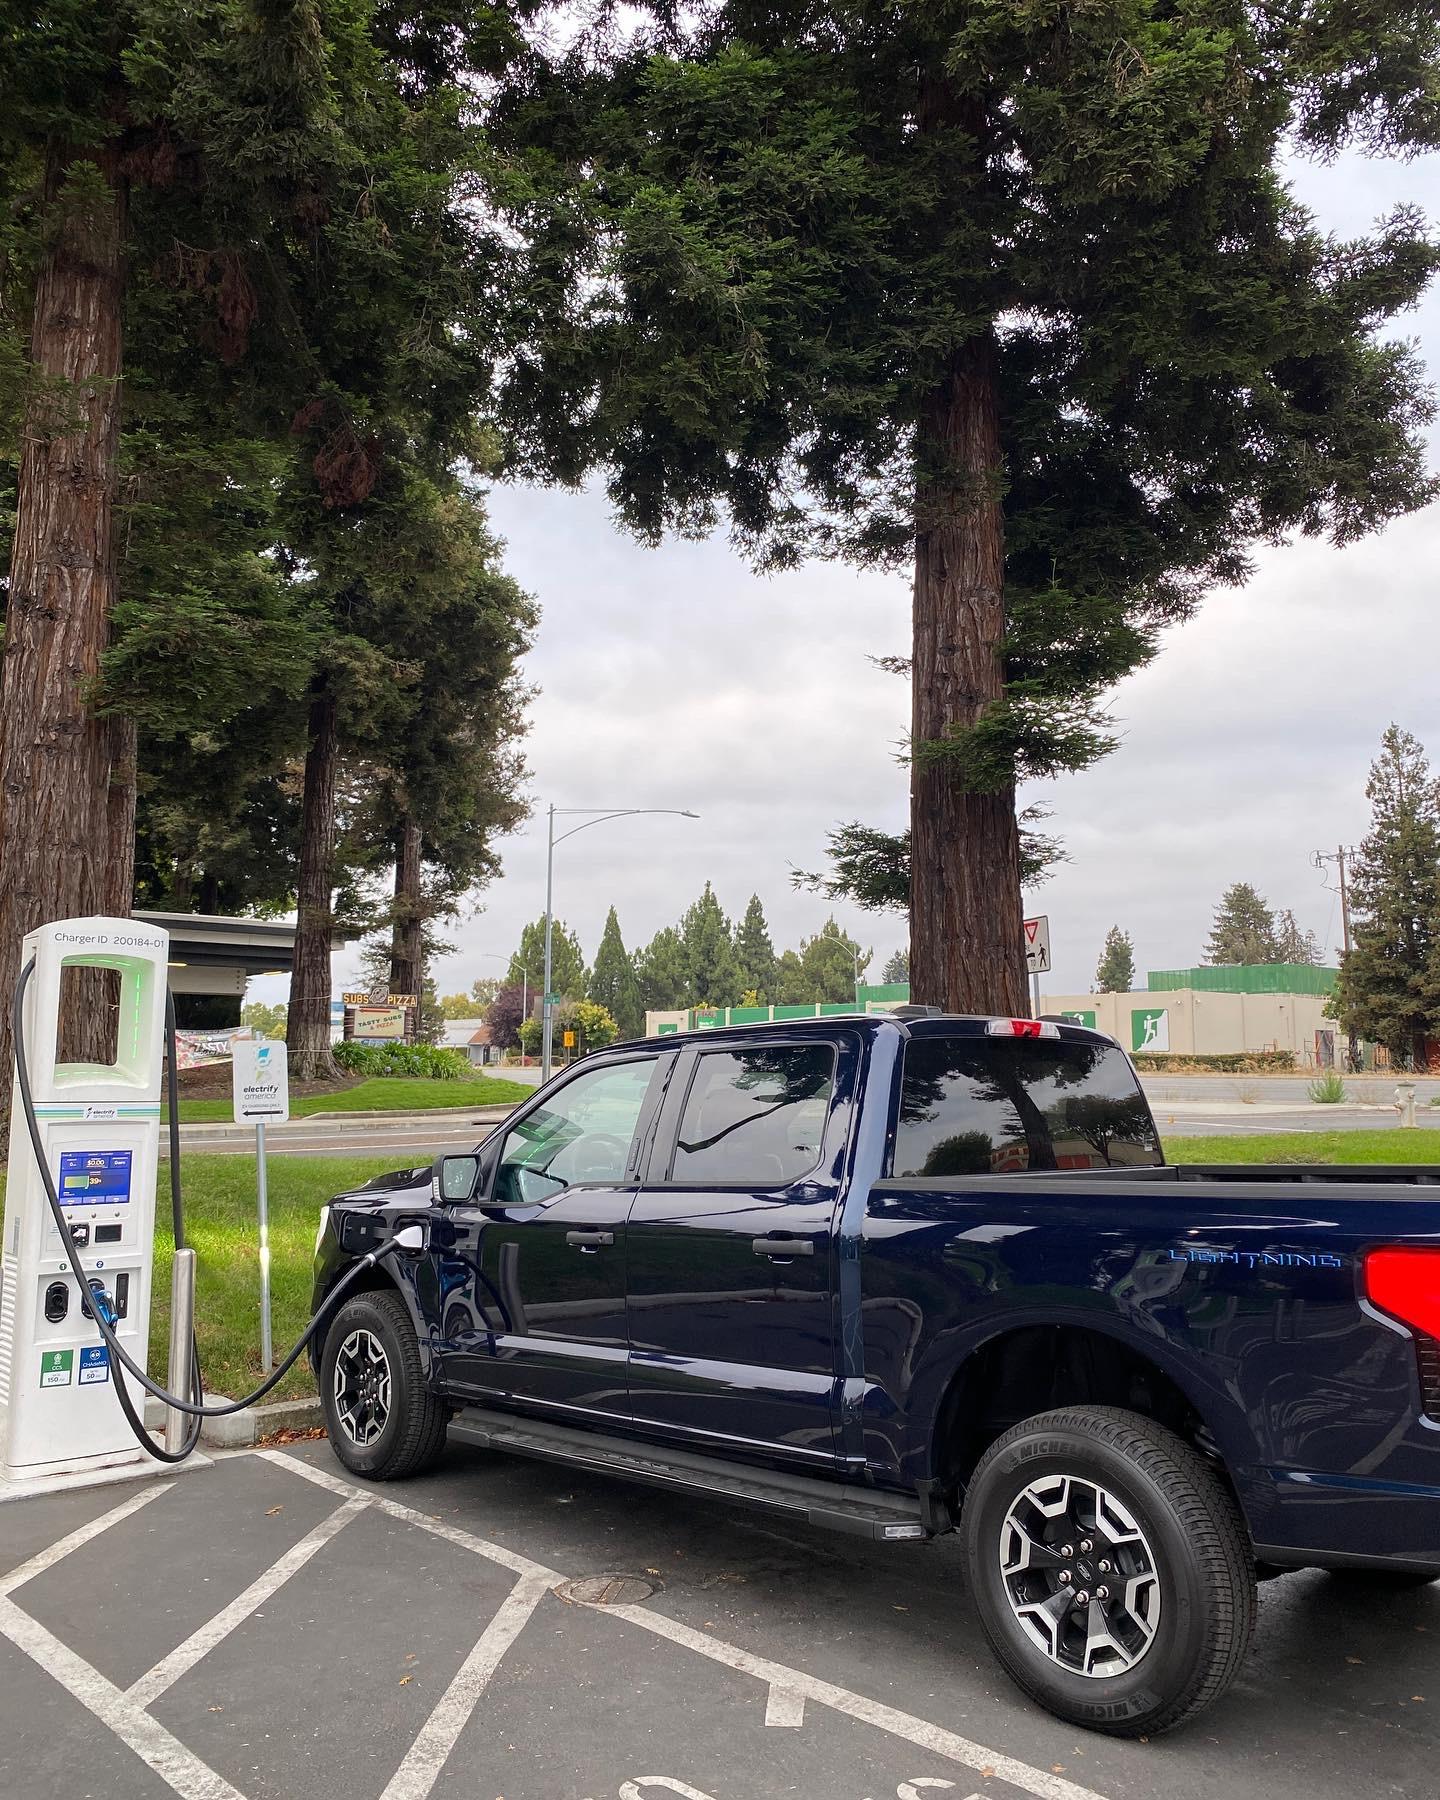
(678, 678)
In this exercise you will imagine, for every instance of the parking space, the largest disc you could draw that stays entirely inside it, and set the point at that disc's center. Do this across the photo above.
(501, 1630)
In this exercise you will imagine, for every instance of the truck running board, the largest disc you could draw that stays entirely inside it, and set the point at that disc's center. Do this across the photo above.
(834, 1506)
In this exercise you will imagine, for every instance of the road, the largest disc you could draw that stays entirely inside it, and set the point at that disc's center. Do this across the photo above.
(264, 1629)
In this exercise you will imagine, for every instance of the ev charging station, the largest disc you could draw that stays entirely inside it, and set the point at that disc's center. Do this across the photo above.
(100, 1128)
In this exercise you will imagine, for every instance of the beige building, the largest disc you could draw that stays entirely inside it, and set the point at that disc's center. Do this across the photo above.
(1188, 1022)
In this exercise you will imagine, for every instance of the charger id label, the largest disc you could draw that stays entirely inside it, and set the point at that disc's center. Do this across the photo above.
(57, 1367)
(94, 1364)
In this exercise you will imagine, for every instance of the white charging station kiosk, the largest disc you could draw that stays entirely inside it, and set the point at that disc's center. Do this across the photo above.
(100, 1124)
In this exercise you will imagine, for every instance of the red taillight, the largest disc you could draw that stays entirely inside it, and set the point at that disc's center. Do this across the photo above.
(1406, 1284)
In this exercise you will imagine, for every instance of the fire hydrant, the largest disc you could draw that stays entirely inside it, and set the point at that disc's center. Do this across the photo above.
(1405, 1101)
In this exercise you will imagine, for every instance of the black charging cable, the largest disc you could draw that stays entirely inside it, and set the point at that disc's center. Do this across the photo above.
(99, 1304)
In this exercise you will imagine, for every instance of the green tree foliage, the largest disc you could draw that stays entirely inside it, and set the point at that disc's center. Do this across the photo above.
(459, 1006)
(663, 973)
(482, 991)
(592, 1024)
(755, 953)
(712, 971)
(897, 967)
(871, 869)
(567, 960)
(1292, 944)
(433, 760)
(1389, 986)
(267, 1021)
(793, 986)
(1015, 293)
(1243, 930)
(832, 965)
(613, 982)
(1115, 972)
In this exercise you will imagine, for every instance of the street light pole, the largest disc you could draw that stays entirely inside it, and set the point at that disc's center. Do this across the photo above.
(546, 996)
(601, 815)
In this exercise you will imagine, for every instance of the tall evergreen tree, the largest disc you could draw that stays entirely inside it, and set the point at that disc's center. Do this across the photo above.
(755, 953)
(897, 967)
(794, 986)
(711, 969)
(662, 972)
(1292, 944)
(1243, 930)
(567, 960)
(1015, 295)
(440, 773)
(613, 982)
(832, 965)
(1388, 990)
(1115, 973)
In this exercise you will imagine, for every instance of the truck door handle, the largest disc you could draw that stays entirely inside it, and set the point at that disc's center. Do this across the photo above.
(783, 1246)
(589, 1239)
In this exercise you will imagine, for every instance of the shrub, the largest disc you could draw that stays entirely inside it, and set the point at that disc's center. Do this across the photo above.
(1329, 1089)
(1233, 1062)
(428, 1061)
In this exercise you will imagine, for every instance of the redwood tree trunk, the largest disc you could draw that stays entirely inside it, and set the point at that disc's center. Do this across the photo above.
(406, 956)
(55, 756)
(307, 1028)
(965, 903)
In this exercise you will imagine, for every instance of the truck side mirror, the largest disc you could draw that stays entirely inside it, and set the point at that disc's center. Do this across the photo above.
(454, 1177)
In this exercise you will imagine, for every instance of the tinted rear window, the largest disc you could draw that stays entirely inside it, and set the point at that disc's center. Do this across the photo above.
(994, 1106)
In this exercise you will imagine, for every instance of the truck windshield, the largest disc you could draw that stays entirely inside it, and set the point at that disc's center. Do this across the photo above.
(993, 1106)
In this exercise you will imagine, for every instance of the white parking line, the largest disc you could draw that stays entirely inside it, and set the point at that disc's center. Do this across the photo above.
(75, 1540)
(180, 1768)
(464, 1540)
(151, 1685)
(428, 1755)
(1040, 1783)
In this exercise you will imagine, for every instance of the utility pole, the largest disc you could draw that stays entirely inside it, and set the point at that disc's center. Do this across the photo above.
(1339, 856)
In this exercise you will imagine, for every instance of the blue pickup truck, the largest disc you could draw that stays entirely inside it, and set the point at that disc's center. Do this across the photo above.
(914, 1274)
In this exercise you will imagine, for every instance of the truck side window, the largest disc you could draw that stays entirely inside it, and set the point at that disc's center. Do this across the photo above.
(755, 1118)
(582, 1133)
(993, 1106)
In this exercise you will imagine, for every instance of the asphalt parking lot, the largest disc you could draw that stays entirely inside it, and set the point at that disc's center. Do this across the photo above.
(265, 1630)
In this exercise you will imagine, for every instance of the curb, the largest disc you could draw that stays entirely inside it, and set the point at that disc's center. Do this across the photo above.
(238, 1431)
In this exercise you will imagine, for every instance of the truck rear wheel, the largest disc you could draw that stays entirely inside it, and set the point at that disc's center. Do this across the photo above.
(1111, 1570)
(383, 1421)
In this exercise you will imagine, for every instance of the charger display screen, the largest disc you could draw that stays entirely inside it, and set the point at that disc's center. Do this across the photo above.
(94, 1177)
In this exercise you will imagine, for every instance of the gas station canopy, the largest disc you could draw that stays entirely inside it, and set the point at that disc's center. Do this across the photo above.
(210, 954)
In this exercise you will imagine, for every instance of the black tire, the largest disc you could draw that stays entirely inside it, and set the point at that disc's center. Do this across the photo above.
(1194, 1612)
(410, 1436)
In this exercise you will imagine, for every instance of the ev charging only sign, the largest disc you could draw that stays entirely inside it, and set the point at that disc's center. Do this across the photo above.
(260, 1083)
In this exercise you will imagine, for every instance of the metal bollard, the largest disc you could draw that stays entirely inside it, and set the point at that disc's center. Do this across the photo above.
(182, 1326)
(1405, 1101)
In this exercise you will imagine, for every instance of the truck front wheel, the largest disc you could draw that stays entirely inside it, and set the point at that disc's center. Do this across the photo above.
(1110, 1569)
(383, 1421)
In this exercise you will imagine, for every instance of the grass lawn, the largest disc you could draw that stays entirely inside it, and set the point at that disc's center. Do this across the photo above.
(221, 1226)
(381, 1093)
(1309, 1147)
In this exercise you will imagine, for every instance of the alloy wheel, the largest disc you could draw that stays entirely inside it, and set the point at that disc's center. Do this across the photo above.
(1080, 1576)
(361, 1387)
